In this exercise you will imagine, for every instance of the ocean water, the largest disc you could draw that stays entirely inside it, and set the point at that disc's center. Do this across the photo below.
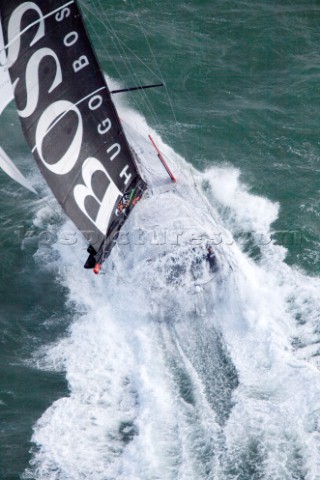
(135, 374)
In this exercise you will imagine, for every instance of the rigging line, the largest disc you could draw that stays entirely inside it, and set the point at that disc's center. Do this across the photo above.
(151, 109)
(35, 23)
(132, 73)
(144, 166)
(168, 96)
(159, 70)
(89, 22)
(98, 17)
(174, 116)
(121, 42)
(123, 46)
(153, 56)
(167, 92)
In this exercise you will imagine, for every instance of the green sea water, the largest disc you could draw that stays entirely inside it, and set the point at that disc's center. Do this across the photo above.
(242, 93)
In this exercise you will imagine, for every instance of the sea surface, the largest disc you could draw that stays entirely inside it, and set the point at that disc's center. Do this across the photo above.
(137, 374)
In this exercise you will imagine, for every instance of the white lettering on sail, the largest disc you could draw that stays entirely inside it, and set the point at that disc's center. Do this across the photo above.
(32, 79)
(95, 102)
(94, 191)
(48, 119)
(80, 63)
(81, 192)
(125, 175)
(104, 126)
(14, 30)
(115, 146)
(70, 39)
(63, 14)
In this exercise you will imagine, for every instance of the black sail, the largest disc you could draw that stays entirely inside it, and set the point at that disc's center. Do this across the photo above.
(67, 115)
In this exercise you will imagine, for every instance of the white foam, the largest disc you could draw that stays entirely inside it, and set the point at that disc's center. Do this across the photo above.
(137, 362)
(276, 402)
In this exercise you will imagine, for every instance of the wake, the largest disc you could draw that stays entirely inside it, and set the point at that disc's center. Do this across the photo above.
(170, 383)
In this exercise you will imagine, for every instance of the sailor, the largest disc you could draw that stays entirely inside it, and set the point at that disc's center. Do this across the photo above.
(211, 259)
(120, 209)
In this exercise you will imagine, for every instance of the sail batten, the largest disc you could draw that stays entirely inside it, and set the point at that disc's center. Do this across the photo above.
(67, 114)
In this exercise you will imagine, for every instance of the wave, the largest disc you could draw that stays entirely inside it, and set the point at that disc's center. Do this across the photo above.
(168, 381)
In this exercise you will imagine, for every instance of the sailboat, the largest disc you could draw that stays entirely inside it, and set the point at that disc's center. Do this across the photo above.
(69, 119)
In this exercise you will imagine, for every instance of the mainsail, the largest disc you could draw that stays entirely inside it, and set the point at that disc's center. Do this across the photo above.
(69, 119)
